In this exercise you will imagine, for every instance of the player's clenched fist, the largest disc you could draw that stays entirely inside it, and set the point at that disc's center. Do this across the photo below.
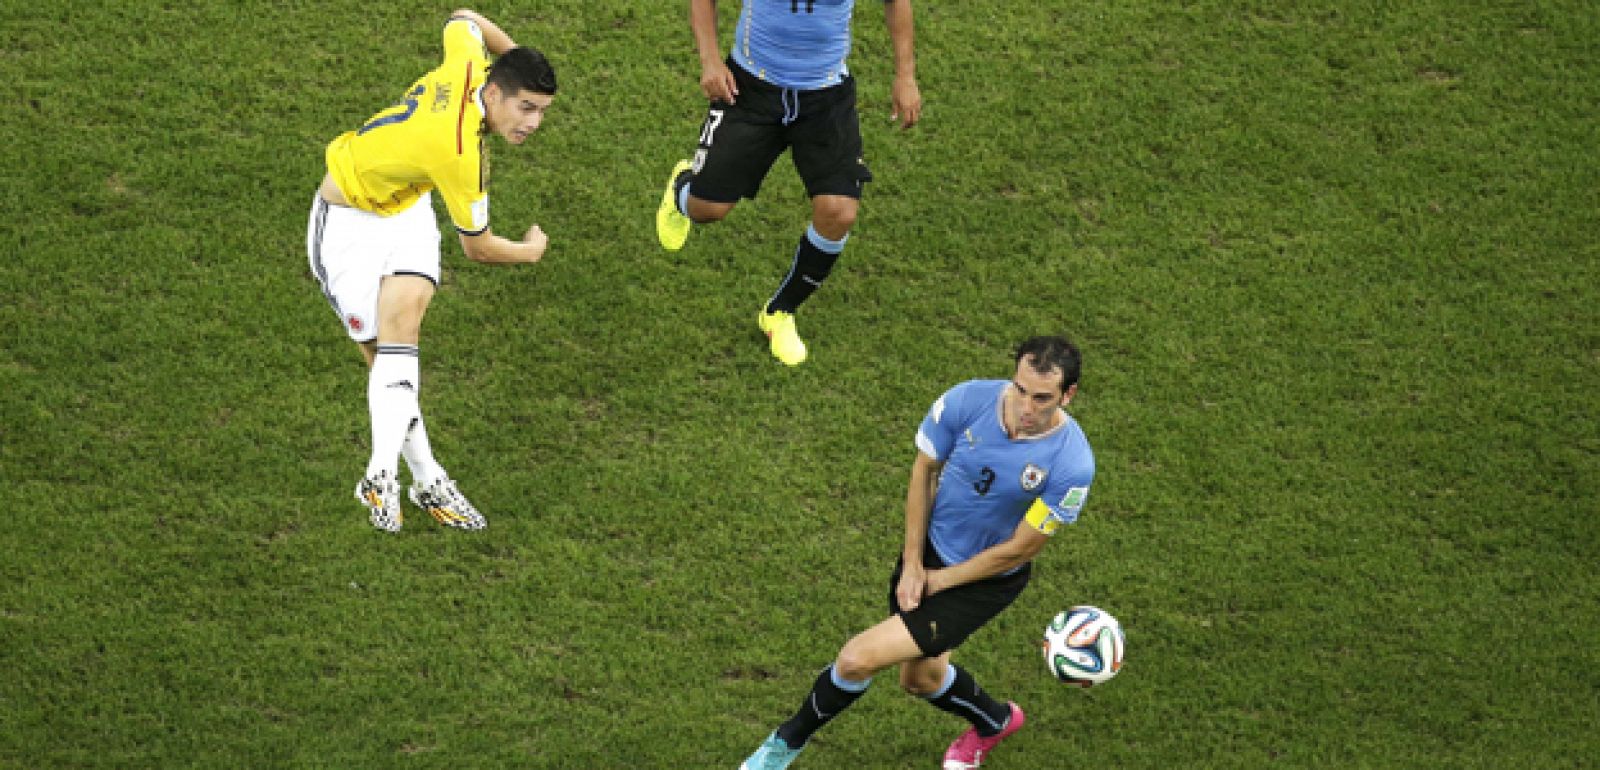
(538, 241)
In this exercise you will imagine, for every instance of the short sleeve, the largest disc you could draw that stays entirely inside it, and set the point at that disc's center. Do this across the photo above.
(1063, 498)
(936, 436)
(462, 188)
(463, 39)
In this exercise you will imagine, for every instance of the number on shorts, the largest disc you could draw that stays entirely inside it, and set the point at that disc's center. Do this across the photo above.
(794, 6)
(713, 119)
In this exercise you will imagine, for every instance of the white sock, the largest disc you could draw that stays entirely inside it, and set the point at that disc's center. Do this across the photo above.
(419, 454)
(392, 386)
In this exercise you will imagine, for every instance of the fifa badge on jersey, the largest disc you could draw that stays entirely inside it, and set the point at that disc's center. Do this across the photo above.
(1072, 501)
(1032, 477)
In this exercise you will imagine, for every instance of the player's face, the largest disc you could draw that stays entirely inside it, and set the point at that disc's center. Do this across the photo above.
(518, 115)
(1034, 398)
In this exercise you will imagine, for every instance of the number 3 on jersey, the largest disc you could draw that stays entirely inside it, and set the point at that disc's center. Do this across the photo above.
(985, 480)
(410, 105)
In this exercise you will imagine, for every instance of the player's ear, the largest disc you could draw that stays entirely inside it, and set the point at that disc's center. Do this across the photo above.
(1072, 390)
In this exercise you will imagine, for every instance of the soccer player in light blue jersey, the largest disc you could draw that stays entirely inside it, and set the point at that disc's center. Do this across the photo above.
(784, 86)
(1000, 466)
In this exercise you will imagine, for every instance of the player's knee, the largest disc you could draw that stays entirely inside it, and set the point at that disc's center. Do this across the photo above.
(920, 683)
(401, 323)
(402, 303)
(854, 664)
(834, 215)
(703, 212)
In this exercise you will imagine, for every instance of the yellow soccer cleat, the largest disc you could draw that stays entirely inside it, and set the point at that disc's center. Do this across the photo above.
(672, 227)
(785, 341)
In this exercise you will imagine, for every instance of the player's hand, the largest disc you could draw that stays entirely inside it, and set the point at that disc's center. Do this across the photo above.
(538, 240)
(907, 102)
(913, 580)
(717, 82)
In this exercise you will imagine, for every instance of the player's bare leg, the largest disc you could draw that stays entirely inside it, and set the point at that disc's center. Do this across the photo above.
(838, 686)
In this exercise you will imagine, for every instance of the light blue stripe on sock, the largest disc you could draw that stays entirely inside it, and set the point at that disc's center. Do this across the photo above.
(985, 717)
(949, 679)
(683, 199)
(823, 244)
(845, 684)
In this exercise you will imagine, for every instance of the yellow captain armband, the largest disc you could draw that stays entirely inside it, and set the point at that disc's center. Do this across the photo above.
(1040, 518)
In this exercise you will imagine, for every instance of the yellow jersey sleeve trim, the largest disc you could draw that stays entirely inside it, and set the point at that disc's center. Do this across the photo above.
(1040, 518)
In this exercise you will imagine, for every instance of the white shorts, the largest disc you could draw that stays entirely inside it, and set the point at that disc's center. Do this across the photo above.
(351, 251)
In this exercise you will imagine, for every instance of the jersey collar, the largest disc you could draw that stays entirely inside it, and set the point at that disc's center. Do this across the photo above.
(483, 114)
(1000, 417)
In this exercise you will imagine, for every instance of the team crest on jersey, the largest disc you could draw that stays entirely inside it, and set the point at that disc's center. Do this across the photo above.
(1032, 477)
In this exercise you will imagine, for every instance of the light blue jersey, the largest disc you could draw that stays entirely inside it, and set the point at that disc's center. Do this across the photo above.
(991, 482)
(799, 44)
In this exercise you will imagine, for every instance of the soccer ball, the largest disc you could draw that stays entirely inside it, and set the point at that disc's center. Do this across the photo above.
(1083, 646)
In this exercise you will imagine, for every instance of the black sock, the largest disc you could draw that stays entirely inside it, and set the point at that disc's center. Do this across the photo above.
(823, 703)
(963, 697)
(813, 260)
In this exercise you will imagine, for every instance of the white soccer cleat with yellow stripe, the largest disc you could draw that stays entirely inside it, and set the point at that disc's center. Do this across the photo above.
(381, 495)
(446, 504)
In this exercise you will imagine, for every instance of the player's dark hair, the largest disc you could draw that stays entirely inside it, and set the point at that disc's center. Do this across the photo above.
(1051, 353)
(523, 69)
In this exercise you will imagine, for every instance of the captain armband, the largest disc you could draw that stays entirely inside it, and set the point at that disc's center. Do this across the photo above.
(1042, 519)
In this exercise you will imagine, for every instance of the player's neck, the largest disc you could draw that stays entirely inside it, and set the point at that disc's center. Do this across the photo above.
(1013, 432)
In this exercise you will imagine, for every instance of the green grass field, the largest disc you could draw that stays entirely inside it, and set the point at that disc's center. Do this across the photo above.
(1334, 267)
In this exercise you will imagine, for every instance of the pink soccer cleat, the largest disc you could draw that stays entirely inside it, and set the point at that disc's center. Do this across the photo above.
(969, 751)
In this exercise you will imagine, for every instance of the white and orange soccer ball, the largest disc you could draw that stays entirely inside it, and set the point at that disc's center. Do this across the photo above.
(1084, 646)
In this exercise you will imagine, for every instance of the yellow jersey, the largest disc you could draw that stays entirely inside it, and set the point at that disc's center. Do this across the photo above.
(432, 139)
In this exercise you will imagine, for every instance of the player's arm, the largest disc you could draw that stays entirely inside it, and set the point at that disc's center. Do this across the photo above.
(920, 492)
(1025, 543)
(494, 38)
(488, 248)
(906, 96)
(715, 80)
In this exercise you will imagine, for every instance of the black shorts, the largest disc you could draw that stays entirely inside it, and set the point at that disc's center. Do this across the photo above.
(945, 620)
(740, 141)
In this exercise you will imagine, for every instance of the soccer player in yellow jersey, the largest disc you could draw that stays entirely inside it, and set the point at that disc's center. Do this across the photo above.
(373, 241)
